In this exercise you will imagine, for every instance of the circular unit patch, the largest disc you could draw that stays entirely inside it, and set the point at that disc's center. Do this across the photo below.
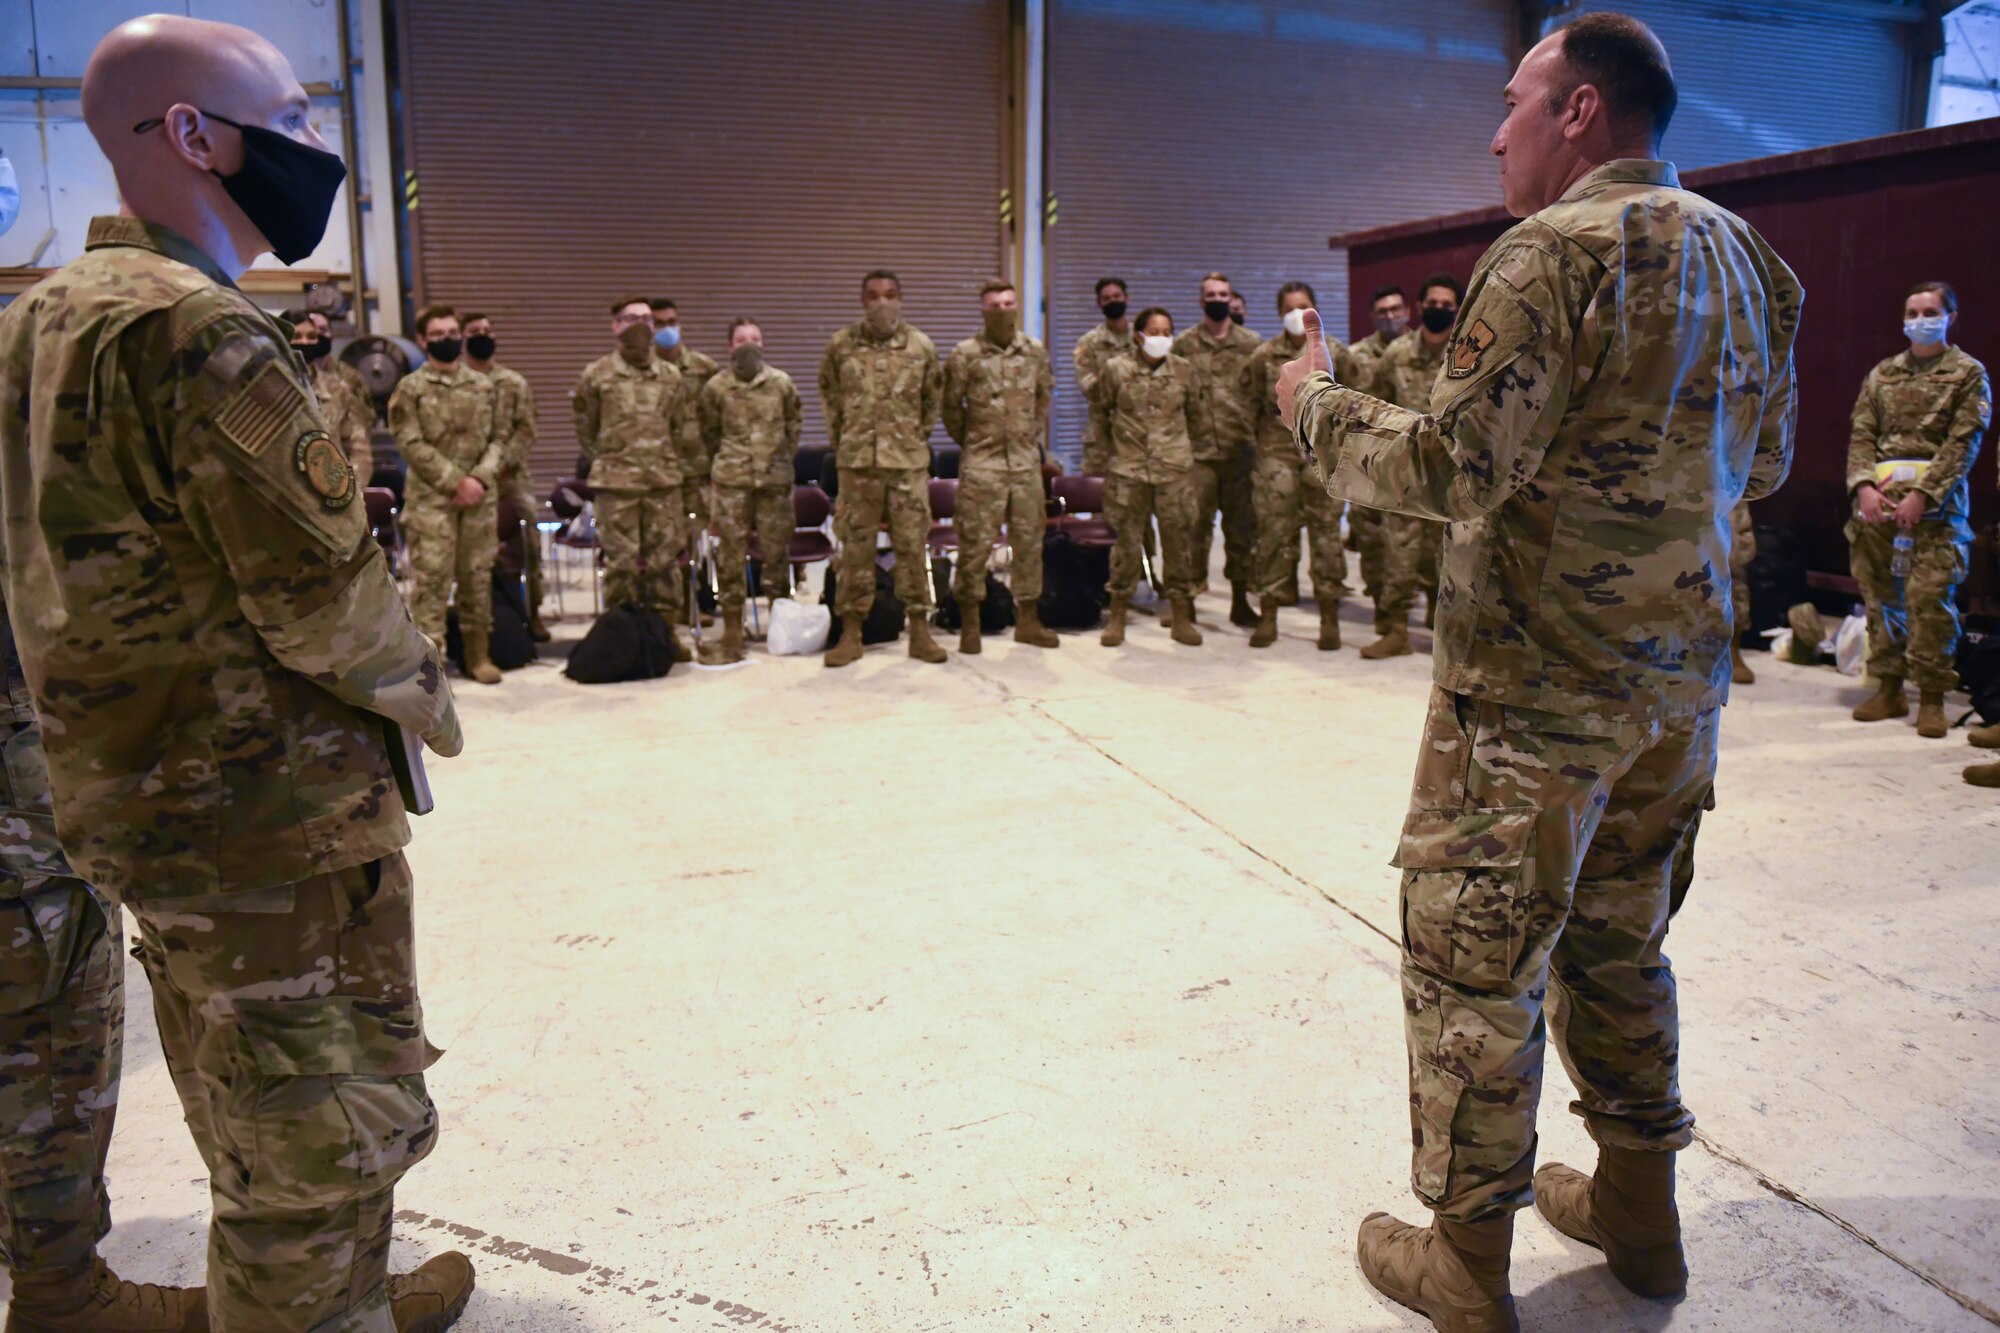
(325, 469)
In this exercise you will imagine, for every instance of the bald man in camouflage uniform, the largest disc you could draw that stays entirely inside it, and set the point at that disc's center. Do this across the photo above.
(1912, 440)
(215, 683)
(1586, 451)
(997, 385)
(750, 425)
(1219, 349)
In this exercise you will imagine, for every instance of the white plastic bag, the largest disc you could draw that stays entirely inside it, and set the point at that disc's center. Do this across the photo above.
(798, 628)
(1850, 646)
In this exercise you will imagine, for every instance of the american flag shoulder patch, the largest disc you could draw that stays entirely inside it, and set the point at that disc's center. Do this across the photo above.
(259, 412)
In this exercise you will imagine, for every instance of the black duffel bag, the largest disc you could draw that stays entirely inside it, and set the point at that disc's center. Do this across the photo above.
(626, 643)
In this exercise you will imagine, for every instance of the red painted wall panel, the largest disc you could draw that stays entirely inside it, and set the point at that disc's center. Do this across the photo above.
(1859, 223)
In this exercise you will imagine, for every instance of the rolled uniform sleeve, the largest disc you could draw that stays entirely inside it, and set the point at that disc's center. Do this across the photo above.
(795, 417)
(585, 408)
(521, 441)
(494, 456)
(1045, 388)
(265, 502)
(829, 391)
(419, 454)
(1971, 414)
(933, 396)
(1863, 431)
(684, 423)
(1771, 463)
(1505, 387)
(956, 377)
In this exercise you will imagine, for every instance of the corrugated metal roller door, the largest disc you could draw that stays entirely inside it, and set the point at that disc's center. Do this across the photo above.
(1757, 80)
(743, 159)
(1238, 137)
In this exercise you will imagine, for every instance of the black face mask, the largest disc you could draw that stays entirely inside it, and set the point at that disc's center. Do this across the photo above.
(1236, 317)
(284, 187)
(1114, 311)
(480, 345)
(315, 351)
(1215, 310)
(1437, 319)
(444, 351)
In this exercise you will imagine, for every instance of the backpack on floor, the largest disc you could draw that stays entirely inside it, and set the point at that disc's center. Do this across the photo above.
(1074, 579)
(511, 646)
(1979, 672)
(885, 618)
(1777, 578)
(996, 611)
(626, 643)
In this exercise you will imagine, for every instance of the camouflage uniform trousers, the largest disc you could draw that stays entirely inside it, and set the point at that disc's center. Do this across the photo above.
(1131, 505)
(868, 495)
(1742, 550)
(1542, 857)
(1289, 494)
(695, 503)
(451, 550)
(62, 1024)
(1912, 623)
(642, 533)
(519, 488)
(1366, 526)
(986, 499)
(290, 1022)
(741, 511)
(1224, 484)
(1411, 552)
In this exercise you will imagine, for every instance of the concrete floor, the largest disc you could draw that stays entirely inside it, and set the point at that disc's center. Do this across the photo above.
(1057, 991)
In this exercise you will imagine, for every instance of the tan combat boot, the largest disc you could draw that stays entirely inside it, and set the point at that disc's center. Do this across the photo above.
(1888, 701)
(732, 634)
(1626, 1210)
(479, 660)
(1029, 629)
(1983, 775)
(1114, 628)
(1739, 669)
(1266, 632)
(922, 646)
(848, 650)
(1931, 723)
(1395, 642)
(1986, 738)
(93, 1299)
(1289, 594)
(1453, 1273)
(968, 630)
(1240, 613)
(431, 1299)
(1183, 622)
(1329, 627)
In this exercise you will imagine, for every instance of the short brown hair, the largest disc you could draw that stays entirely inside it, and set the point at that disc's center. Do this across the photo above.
(1222, 278)
(1312, 298)
(618, 306)
(743, 322)
(1620, 57)
(992, 285)
(473, 316)
(663, 303)
(433, 312)
(1945, 294)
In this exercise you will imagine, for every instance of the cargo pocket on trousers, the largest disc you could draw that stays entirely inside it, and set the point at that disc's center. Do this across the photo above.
(1465, 892)
(338, 1110)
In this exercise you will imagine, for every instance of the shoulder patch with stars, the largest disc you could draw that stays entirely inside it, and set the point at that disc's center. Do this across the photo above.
(257, 414)
(325, 469)
(1470, 349)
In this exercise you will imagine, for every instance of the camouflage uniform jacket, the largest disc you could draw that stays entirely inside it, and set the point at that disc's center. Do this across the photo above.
(30, 850)
(996, 403)
(636, 424)
(349, 416)
(1148, 413)
(1369, 352)
(752, 427)
(1587, 443)
(1933, 414)
(1408, 371)
(1224, 407)
(208, 630)
(445, 428)
(881, 396)
(1094, 351)
(697, 368)
(1260, 382)
(513, 418)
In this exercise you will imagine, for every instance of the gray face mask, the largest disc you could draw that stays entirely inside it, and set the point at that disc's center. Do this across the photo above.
(746, 361)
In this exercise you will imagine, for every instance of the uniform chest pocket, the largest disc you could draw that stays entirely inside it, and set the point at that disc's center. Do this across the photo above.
(1467, 877)
(641, 404)
(434, 411)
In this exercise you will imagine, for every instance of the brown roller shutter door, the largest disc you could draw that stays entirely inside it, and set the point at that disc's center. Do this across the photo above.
(743, 159)
(1239, 137)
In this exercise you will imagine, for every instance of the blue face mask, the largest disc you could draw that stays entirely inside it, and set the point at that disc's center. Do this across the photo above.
(1929, 329)
(667, 339)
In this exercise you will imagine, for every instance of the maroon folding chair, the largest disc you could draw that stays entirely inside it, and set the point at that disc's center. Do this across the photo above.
(566, 501)
(380, 503)
(1079, 505)
(811, 511)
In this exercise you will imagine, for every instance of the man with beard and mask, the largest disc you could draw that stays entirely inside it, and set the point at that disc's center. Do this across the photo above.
(1239, 309)
(1390, 310)
(750, 425)
(1094, 351)
(348, 417)
(514, 423)
(445, 416)
(640, 437)
(1219, 349)
(216, 686)
(1621, 376)
(1411, 546)
(996, 405)
(1288, 493)
(697, 369)
(880, 385)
